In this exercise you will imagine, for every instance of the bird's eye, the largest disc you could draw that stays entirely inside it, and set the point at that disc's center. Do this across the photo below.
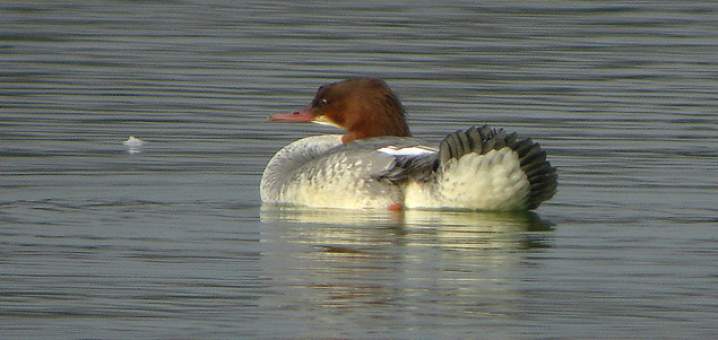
(324, 101)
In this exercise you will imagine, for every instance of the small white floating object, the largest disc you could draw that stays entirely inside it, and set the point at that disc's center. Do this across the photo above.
(134, 144)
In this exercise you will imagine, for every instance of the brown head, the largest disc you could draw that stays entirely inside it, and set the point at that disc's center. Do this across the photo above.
(364, 107)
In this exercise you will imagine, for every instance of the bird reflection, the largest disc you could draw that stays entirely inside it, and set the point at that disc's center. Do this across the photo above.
(460, 264)
(461, 229)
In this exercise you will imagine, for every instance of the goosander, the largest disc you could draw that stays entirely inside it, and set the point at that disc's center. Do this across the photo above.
(377, 164)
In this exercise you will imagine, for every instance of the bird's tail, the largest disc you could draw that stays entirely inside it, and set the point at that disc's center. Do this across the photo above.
(486, 169)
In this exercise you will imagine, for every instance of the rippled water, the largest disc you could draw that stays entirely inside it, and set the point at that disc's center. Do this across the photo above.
(172, 242)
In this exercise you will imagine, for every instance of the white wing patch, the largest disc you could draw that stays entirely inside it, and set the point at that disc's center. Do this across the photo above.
(410, 151)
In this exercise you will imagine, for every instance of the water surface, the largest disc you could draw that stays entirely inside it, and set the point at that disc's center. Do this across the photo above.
(172, 241)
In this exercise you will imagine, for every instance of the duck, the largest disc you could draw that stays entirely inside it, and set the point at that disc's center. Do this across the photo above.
(377, 163)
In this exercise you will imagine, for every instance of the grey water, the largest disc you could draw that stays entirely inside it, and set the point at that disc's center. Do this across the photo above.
(170, 241)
